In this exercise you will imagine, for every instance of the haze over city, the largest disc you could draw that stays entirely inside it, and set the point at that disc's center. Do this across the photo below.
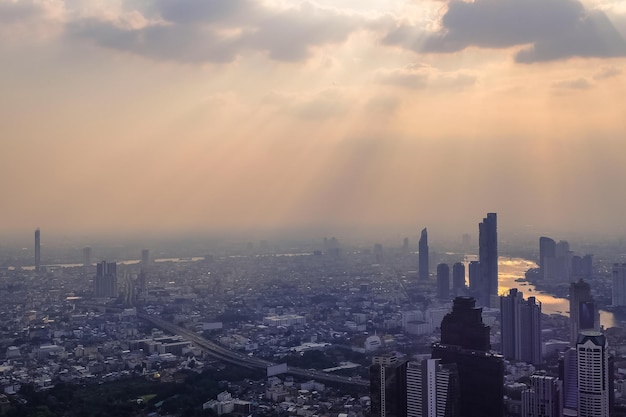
(171, 116)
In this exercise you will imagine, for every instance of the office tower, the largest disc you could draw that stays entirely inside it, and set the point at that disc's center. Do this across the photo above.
(443, 281)
(542, 399)
(87, 256)
(423, 255)
(547, 258)
(563, 261)
(458, 278)
(378, 253)
(577, 267)
(37, 249)
(547, 249)
(593, 375)
(587, 266)
(488, 258)
(619, 285)
(405, 246)
(129, 290)
(465, 342)
(432, 389)
(145, 258)
(521, 327)
(105, 281)
(568, 373)
(388, 386)
(583, 313)
(475, 278)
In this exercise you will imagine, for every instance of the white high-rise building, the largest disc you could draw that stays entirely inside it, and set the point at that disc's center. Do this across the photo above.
(593, 374)
(432, 389)
(542, 399)
(619, 285)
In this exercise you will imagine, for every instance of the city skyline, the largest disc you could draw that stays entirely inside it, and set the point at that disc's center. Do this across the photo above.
(203, 115)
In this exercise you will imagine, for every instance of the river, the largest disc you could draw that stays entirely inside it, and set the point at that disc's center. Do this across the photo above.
(510, 269)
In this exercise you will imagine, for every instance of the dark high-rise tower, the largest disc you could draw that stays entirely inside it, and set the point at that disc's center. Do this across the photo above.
(465, 341)
(521, 327)
(37, 249)
(488, 258)
(388, 386)
(547, 249)
(583, 311)
(423, 255)
(145, 258)
(443, 281)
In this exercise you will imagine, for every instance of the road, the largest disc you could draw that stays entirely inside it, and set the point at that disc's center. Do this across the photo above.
(236, 358)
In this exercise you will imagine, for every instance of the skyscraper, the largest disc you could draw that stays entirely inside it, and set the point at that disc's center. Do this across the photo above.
(423, 255)
(593, 375)
(432, 389)
(521, 327)
(145, 258)
(488, 258)
(619, 285)
(568, 373)
(87, 256)
(542, 399)
(388, 386)
(583, 312)
(465, 342)
(475, 278)
(547, 249)
(443, 281)
(37, 249)
(458, 278)
(105, 281)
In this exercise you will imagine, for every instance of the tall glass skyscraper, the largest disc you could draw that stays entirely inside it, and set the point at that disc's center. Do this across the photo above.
(488, 258)
(423, 256)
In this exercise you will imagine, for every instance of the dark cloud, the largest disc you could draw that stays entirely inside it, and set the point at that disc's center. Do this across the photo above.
(182, 43)
(554, 29)
(219, 30)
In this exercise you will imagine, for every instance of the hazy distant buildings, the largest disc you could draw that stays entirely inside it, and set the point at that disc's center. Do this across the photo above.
(619, 285)
(458, 278)
(593, 375)
(488, 258)
(542, 398)
(521, 327)
(583, 312)
(432, 389)
(423, 256)
(37, 249)
(105, 281)
(443, 281)
(465, 342)
(86, 256)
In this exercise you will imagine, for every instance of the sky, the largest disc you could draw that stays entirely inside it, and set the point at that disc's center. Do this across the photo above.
(174, 115)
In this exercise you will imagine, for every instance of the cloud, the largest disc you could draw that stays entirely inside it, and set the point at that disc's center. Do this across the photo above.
(197, 31)
(417, 76)
(554, 29)
(575, 84)
(607, 72)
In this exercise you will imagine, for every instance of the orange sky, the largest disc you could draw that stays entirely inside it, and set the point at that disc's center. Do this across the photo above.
(238, 114)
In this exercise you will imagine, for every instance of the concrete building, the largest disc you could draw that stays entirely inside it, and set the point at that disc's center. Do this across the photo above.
(423, 256)
(521, 327)
(619, 285)
(542, 399)
(488, 258)
(432, 389)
